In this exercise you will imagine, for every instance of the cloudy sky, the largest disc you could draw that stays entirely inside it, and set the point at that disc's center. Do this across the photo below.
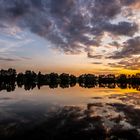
(76, 36)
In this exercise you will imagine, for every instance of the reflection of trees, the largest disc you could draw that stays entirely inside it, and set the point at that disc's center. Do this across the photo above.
(122, 85)
(135, 86)
(87, 80)
(7, 86)
(7, 79)
(28, 86)
(53, 85)
(108, 85)
(30, 79)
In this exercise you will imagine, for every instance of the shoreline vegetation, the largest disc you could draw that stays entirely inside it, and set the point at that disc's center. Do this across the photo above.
(10, 78)
(116, 119)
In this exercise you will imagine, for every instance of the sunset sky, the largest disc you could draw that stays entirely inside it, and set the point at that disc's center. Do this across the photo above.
(74, 36)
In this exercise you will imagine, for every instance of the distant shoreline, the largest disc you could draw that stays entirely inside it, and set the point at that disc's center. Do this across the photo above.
(9, 78)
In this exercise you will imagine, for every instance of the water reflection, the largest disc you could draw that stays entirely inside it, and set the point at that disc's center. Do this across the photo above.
(11, 86)
(98, 110)
(98, 120)
(29, 80)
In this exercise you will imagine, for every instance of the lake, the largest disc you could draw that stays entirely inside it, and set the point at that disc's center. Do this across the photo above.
(70, 113)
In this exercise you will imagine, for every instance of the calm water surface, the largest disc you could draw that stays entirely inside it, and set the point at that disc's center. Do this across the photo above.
(76, 112)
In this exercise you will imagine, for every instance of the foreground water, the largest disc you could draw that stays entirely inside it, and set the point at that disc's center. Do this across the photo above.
(70, 113)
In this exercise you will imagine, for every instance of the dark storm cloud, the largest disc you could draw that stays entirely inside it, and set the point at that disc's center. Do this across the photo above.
(61, 7)
(129, 2)
(12, 9)
(71, 25)
(122, 28)
(130, 47)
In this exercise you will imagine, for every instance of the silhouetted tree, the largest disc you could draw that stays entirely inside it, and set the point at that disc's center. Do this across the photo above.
(73, 80)
(30, 79)
(87, 80)
(122, 78)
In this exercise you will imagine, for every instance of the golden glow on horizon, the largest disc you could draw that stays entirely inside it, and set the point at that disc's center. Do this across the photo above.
(81, 70)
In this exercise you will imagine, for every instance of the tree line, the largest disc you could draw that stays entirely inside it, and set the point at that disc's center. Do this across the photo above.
(9, 78)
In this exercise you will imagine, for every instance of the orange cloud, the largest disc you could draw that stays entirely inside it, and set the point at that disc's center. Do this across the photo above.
(136, 5)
